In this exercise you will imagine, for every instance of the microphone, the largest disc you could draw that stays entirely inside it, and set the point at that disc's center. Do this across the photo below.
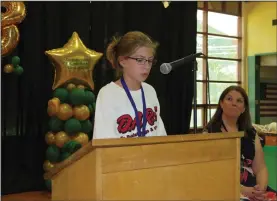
(165, 68)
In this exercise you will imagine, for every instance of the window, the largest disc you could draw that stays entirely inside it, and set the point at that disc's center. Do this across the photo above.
(219, 38)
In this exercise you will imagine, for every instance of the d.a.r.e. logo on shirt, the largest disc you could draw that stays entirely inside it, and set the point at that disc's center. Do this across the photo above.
(127, 124)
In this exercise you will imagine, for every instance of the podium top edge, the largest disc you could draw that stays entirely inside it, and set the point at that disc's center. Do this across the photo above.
(98, 143)
(121, 142)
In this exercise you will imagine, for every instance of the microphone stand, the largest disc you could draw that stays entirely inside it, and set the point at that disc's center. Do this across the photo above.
(195, 68)
(168, 68)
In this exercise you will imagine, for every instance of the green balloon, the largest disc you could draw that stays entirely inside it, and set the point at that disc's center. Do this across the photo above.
(90, 98)
(65, 155)
(91, 109)
(66, 147)
(53, 153)
(72, 126)
(71, 147)
(18, 70)
(55, 124)
(86, 126)
(15, 61)
(94, 105)
(48, 184)
(61, 94)
(78, 96)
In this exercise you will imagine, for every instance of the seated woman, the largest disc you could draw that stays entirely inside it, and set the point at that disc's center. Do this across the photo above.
(232, 115)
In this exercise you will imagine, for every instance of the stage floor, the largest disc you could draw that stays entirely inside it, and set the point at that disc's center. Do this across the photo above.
(28, 196)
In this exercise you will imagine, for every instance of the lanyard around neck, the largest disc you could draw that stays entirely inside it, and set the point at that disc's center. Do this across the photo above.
(222, 123)
(140, 133)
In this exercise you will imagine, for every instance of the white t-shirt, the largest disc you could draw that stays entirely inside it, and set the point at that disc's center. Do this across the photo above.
(115, 116)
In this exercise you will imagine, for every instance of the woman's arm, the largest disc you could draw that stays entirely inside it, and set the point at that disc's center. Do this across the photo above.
(258, 166)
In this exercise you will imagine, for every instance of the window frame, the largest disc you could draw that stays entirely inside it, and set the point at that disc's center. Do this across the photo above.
(204, 105)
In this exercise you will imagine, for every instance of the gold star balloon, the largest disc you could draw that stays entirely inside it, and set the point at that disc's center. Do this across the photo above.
(74, 62)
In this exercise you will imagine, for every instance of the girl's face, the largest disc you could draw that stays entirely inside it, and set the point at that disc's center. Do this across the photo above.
(138, 65)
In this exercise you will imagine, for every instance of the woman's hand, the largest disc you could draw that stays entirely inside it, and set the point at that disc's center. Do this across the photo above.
(259, 193)
(247, 191)
(253, 193)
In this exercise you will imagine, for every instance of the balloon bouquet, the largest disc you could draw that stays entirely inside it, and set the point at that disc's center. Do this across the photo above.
(72, 107)
(13, 14)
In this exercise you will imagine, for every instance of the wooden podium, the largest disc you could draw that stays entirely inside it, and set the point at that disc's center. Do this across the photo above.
(178, 167)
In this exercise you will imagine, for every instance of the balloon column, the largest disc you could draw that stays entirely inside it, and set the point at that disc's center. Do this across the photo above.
(72, 107)
(13, 13)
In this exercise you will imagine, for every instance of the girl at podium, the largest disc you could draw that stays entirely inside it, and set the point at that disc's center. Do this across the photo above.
(232, 115)
(129, 107)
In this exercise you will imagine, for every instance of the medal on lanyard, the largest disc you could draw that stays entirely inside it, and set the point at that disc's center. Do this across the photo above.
(140, 133)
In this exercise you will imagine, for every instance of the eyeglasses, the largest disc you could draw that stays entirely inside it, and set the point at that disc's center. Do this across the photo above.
(142, 61)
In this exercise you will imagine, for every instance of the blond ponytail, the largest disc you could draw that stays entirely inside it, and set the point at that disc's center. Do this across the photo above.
(112, 53)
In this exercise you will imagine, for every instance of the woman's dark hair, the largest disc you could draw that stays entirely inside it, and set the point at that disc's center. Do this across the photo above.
(244, 120)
